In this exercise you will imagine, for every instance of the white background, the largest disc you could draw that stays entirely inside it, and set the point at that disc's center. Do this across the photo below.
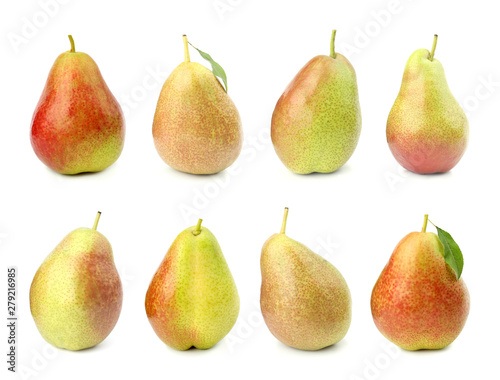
(354, 217)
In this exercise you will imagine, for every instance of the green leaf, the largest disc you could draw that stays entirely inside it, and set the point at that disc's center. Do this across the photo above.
(452, 253)
(216, 68)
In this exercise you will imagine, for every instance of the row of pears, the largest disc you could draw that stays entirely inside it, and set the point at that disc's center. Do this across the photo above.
(420, 300)
(78, 125)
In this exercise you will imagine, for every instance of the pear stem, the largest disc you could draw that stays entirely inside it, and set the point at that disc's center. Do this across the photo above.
(431, 55)
(186, 48)
(197, 229)
(332, 44)
(72, 41)
(426, 218)
(283, 225)
(96, 221)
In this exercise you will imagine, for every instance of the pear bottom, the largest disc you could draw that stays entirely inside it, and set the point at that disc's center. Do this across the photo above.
(425, 157)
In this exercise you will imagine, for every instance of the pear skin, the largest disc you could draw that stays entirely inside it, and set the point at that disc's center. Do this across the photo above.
(196, 127)
(305, 301)
(76, 294)
(417, 302)
(427, 130)
(316, 123)
(192, 300)
(78, 125)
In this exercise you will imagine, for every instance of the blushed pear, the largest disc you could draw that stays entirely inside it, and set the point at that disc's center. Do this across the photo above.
(316, 123)
(76, 294)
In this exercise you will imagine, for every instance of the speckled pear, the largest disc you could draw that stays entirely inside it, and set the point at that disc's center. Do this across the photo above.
(427, 130)
(196, 127)
(78, 125)
(192, 300)
(76, 294)
(316, 123)
(304, 299)
(418, 302)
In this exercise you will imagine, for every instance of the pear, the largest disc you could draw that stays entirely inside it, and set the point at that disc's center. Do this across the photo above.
(316, 123)
(427, 130)
(304, 299)
(192, 300)
(196, 127)
(76, 294)
(78, 126)
(418, 302)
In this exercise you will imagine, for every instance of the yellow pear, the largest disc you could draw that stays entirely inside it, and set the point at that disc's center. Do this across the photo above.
(196, 127)
(305, 301)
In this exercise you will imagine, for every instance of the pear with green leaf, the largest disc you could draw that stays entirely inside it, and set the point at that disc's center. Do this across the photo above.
(420, 300)
(196, 127)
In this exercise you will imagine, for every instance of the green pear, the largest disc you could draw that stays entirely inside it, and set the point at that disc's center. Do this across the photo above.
(76, 294)
(317, 121)
(418, 302)
(196, 127)
(427, 130)
(192, 300)
(78, 125)
(305, 301)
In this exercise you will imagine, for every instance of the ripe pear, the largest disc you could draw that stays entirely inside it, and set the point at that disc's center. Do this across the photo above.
(427, 130)
(305, 301)
(192, 300)
(418, 302)
(316, 123)
(196, 127)
(78, 126)
(76, 294)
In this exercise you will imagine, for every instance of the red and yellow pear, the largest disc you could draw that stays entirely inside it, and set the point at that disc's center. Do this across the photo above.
(78, 126)
(418, 302)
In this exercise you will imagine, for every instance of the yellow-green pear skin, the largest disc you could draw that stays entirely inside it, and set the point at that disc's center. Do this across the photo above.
(196, 128)
(305, 300)
(427, 130)
(76, 294)
(192, 300)
(316, 123)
